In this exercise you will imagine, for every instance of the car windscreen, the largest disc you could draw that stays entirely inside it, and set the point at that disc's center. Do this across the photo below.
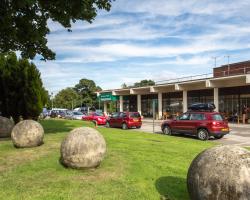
(77, 113)
(98, 114)
(134, 115)
(217, 117)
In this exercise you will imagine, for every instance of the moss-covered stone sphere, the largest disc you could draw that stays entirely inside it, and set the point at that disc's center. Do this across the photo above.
(6, 126)
(83, 148)
(27, 133)
(220, 173)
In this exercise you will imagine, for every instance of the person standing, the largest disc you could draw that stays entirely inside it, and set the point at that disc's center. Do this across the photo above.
(244, 113)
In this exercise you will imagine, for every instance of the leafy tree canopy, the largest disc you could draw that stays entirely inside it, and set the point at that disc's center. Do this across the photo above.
(23, 23)
(67, 98)
(139, 84)
(86, 89)
(144, 83)
(124, 86)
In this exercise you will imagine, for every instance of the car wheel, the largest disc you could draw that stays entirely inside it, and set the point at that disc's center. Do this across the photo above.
(167, 130)
(138, 127)
(218, 136)
(203, 134)
(124, 126)
(107, 124)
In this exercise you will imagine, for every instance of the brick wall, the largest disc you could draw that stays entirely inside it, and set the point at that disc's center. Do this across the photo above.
(232, 69)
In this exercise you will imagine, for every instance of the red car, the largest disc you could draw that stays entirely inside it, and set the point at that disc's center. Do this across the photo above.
(199, 123)
(125, 120)
(97, 118)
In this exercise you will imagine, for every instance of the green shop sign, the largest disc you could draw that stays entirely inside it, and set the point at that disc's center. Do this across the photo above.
(108, 97)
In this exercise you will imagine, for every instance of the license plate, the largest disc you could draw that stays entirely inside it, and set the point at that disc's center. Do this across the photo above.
(135, 120)
(225, 129)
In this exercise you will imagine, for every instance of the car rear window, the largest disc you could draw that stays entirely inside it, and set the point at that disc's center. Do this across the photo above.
(134, 115)
(217, 117)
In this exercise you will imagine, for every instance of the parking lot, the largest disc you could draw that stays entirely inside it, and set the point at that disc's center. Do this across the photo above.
(239, 133)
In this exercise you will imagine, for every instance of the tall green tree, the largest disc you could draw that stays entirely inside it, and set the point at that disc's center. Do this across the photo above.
(86, 89)
(24, 23)
(21, 88)
(67, 98)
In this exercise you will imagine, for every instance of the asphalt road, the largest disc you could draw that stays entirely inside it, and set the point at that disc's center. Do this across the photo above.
(239, 134)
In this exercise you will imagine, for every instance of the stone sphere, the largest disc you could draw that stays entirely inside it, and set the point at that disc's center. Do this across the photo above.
(83, 148)
(220, 173)
(27, 133)
(6, 126)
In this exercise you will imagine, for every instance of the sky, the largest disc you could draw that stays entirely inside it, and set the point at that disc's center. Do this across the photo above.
(148, 39)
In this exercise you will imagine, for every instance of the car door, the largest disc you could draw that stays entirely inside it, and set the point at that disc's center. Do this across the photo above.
(195, 121)
(120, 119)
(87, 117)
(181, 124)
(113, 119)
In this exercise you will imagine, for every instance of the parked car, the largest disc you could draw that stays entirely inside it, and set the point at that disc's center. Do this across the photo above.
(69, 114)
(53, 114)
(125, 120)
(97, 118)
(202, 124)
(44, 114)
(77, 115)
(61, 113)
(58, 112)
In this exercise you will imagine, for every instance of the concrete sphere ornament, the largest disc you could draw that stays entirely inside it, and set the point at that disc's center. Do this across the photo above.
(6, 126)
(83, 148)
(27, 133)
(220, 173)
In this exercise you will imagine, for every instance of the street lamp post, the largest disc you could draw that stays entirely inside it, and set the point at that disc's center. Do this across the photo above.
(215, 60)
(52, 100)
(228, 67)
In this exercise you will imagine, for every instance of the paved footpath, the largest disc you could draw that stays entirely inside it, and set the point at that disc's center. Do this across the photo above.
(239, 133)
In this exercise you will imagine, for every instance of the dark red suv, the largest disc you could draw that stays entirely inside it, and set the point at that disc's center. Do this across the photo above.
(202, 124)
(124, 120)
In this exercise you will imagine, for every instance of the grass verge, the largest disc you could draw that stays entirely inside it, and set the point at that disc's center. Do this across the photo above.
(137, 166)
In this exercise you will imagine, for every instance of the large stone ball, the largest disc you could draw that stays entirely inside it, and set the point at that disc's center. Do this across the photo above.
(27, 133)
(6, 126)
(220, 173)
(83, 148)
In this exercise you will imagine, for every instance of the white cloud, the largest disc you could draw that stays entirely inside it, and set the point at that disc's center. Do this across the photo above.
(173, 7)
(147, 40)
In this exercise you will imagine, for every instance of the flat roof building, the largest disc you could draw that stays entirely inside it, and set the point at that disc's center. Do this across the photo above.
(228, 87)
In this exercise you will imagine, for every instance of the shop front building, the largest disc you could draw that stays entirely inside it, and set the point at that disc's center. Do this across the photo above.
(228, 88)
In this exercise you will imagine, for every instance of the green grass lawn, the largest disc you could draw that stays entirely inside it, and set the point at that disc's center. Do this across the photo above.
(137, 166)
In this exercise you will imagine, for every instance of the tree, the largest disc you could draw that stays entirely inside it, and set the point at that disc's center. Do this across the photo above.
(67, 98)
(144, 83)
(124, 86)
(86, 89)
(21, 88)
(23, 23)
